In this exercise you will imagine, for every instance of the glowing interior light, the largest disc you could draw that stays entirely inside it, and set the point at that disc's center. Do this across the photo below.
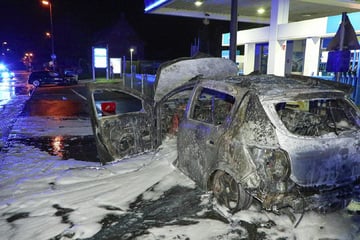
(261, 11)
(198, 3)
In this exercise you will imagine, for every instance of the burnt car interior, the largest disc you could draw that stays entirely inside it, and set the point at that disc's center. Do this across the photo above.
(212, 106)
(172, 111)
(318, 117)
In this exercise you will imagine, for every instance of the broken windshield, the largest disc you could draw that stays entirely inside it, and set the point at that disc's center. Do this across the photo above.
(317, 117)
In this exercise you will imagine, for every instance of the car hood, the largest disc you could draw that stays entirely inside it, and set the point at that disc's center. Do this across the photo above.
(175, 73)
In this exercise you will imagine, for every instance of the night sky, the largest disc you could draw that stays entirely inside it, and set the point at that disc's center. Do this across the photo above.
(77, 22)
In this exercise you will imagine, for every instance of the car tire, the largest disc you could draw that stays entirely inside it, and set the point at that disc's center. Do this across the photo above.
(36, 83)
(229, 193)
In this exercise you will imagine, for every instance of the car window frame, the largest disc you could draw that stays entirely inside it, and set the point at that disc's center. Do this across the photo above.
(196, 97)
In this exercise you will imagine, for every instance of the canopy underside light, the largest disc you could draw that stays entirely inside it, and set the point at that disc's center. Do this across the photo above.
(151, 4)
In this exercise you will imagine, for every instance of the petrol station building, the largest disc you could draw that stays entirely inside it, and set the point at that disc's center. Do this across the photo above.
(293, 41)
(300, 47)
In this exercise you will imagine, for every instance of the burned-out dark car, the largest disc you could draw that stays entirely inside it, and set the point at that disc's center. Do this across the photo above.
(284, 141)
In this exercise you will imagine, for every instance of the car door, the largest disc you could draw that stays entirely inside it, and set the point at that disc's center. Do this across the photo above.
(202, 130)
(122, 120)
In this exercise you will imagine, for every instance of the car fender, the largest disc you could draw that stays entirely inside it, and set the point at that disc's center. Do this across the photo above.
(245, 173)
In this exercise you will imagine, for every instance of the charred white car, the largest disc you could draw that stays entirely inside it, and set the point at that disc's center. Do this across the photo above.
(285, 141)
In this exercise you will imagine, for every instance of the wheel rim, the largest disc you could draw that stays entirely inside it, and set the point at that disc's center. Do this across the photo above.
(229, 193)
(226, 191)
(36, 83)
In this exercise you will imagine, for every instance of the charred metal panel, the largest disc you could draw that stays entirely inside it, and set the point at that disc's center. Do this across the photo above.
(123, 121)
(258, 141)
(257, 129)
(321, 137)
(128, 135)
(208, 117)
(329, 162)
(196, 149)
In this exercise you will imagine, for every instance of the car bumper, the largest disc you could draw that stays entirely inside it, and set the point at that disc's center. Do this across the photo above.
(304, 199)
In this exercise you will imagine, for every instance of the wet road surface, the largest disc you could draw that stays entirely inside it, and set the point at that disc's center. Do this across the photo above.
(60, 104)
(57, 101)
(80, 148)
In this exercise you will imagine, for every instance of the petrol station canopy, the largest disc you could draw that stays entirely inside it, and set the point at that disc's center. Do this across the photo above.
(248, 9)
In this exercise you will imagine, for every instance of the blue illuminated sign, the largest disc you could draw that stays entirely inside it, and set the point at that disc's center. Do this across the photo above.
(333, 22)
(226, 39)
(100, 57)
(225, 54)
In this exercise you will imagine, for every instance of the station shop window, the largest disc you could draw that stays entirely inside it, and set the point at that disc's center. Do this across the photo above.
(296, 52)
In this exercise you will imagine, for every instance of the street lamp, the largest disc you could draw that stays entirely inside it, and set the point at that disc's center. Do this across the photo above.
(27, 60)
(131, 69)
(53, 56)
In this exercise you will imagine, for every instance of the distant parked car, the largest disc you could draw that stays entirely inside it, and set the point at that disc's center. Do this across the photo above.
(40, 78)
(288, 142)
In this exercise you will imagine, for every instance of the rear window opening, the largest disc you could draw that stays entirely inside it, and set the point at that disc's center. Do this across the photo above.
(318, 117)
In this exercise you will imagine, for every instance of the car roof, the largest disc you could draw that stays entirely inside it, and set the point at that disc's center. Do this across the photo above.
(270, 86)
(180, 71)
(44, 72)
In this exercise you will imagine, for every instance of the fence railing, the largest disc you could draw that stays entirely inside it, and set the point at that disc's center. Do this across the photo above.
(350, 79)
(144, 83)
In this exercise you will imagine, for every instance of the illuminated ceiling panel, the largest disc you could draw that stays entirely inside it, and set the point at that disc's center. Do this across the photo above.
(247, 9)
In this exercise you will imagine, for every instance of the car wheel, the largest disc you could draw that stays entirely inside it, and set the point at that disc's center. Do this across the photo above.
(36, 83)
(229, 193)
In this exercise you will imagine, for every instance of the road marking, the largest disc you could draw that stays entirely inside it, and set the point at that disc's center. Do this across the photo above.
(78, 94)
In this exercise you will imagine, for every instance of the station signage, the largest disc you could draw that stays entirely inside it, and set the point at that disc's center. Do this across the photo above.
(100, 57)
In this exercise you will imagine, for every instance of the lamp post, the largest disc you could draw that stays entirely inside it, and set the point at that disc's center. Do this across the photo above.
(53, 56)
(131, 68)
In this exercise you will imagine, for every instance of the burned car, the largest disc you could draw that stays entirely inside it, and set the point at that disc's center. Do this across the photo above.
(284, 141)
